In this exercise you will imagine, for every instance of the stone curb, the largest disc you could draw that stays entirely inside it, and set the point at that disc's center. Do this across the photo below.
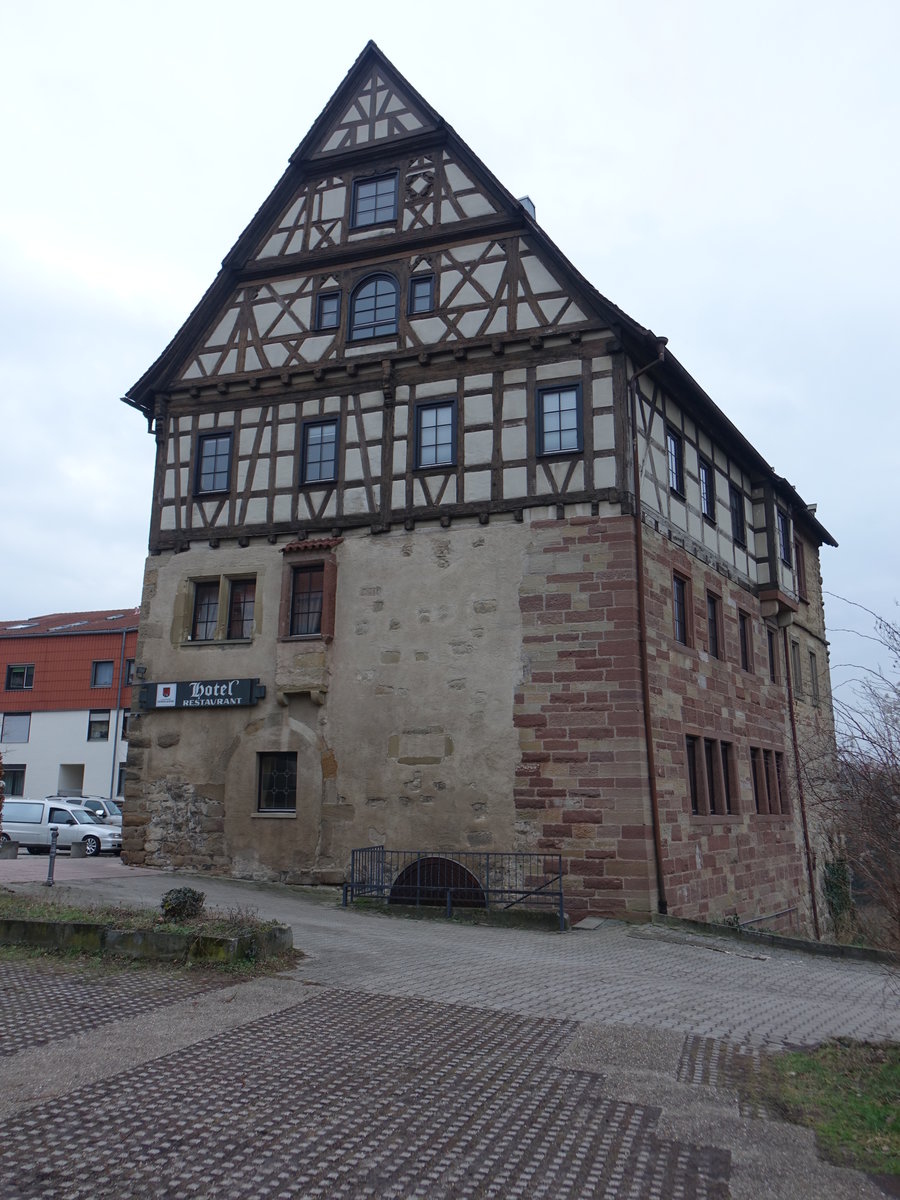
(85, 937)
(776, 940)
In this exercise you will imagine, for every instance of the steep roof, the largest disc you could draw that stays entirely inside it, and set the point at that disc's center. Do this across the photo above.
(375, 106)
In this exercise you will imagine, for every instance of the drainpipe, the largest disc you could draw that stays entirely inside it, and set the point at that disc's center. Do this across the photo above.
(662, 903)
(800, 793)
(115, 749)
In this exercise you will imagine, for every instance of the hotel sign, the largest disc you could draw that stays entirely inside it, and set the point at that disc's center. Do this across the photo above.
(202, 693)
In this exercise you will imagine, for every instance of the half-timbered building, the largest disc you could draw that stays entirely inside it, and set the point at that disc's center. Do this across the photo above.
(447, 551)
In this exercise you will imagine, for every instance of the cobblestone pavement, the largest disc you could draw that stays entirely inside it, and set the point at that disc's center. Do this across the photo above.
(410, 1059)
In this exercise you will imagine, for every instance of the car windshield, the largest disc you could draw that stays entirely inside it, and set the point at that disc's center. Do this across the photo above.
(83, 817)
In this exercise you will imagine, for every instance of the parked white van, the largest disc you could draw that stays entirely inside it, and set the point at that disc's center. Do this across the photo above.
(29, 822)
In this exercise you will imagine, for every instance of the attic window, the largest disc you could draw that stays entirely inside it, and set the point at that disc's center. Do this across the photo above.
(374, 201)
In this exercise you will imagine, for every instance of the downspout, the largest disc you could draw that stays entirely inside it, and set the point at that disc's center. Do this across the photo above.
(662, 903)
(800, 794)
(115, 750)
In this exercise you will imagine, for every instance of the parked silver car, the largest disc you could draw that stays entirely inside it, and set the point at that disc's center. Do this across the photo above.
(106, 811)
(29, 823)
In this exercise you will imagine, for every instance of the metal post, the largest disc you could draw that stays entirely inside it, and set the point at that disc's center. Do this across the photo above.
(54, 834)
(449, 902)
(487, 880)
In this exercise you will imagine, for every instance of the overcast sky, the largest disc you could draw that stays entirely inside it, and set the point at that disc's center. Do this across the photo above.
(727, 173)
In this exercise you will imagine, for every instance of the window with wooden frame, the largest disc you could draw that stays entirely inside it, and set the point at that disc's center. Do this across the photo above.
(241, 605)
(558, 424)
(796, 669)
(277, 782)
(213, 463)
(784, 535)
(421, 295)
(373, 308)
(707, 478)
(814, 677)
(436, 434)
(374, 201)
(20, 677)
(714, 625)
(328, 310)
(126, 720)
(320, 451)
(98, 725)
(800, 569)
(205, 617)
(738, 519)
(129, 672)
(745, 637)
(307, 590)
(681, 598)
(675, 460)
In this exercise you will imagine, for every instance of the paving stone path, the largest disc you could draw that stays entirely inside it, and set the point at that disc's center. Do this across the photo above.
(416, 1059)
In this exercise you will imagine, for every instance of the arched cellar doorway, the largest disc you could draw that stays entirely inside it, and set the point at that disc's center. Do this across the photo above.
(427, 881)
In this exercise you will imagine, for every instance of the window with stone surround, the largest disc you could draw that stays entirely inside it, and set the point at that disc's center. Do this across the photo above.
(745, 636)
(814, 677)
(770, 795)
(796, 668)
(772, 646)
(241, 605)
(681, 600)
(308, 590)
(714, 625)
(206, 611)
(712, 784)
(277, 787)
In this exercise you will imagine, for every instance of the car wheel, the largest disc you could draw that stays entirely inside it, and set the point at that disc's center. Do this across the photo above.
(38, 849)
(91, 846)
(4, 837)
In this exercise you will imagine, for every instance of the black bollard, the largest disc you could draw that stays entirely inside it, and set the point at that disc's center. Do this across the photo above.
(54, 834)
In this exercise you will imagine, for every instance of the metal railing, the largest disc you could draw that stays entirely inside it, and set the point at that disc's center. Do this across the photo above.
(457, 879)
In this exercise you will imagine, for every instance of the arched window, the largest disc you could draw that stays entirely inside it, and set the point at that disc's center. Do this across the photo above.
(373, 308)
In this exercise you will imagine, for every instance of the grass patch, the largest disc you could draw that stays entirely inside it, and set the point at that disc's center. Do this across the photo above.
(849, 1093)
